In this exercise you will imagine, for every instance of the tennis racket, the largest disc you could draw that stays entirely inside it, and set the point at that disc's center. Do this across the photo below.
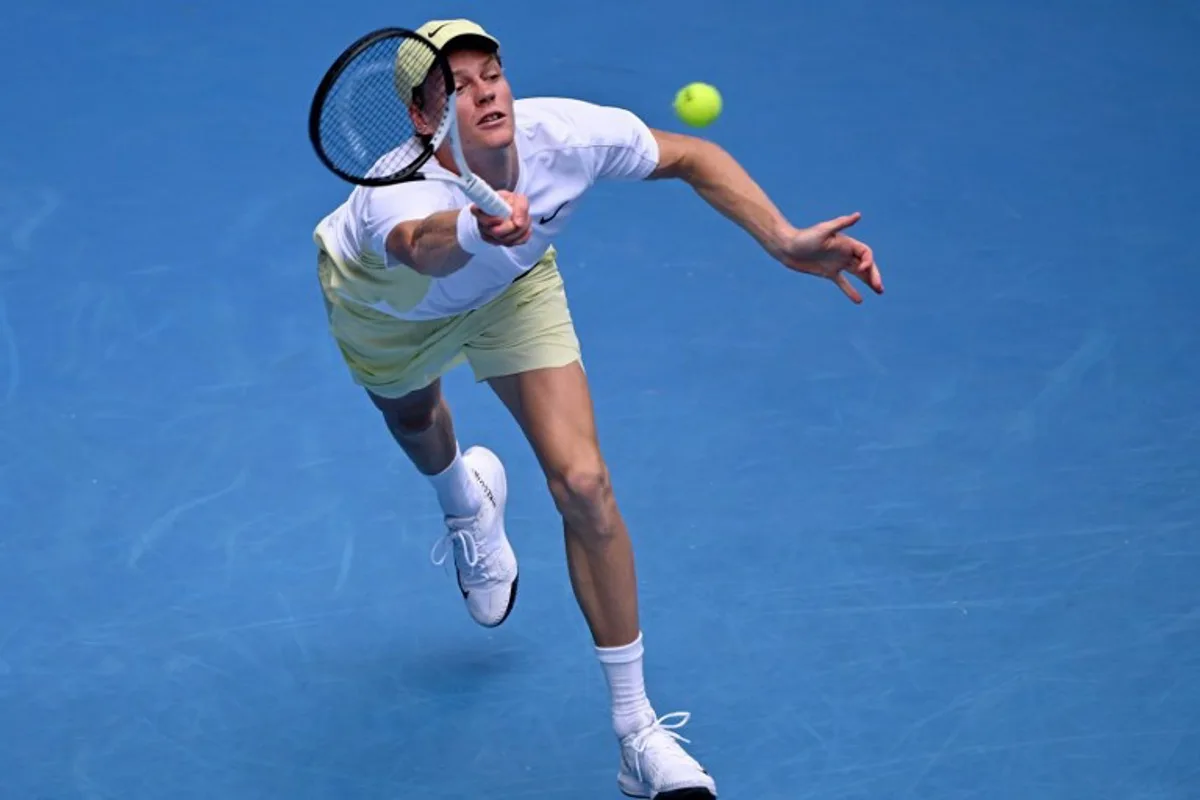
(364, 117)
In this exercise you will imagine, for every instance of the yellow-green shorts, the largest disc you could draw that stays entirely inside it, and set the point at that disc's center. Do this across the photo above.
(527, 327)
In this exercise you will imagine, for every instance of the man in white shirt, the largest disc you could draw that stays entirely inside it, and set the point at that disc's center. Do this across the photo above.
(417, 280)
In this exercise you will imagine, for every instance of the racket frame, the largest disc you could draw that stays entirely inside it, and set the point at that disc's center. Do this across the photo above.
(478, 190)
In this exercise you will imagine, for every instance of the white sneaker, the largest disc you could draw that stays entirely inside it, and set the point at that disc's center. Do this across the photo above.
(654, 765)
(486, 564)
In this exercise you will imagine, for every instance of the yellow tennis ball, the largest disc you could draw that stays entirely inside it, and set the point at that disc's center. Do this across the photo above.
(698, 104)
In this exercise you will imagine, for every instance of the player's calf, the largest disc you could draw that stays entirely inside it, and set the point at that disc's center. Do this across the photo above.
(471, 489)
(421, 424)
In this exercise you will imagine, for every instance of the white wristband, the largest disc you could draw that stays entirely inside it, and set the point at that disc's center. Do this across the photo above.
(467, 229)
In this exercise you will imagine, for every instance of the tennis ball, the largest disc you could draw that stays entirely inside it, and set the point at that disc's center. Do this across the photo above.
(698, 104)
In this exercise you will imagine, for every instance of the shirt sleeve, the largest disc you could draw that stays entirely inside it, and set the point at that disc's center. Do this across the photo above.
(616, 143)
(633, 154)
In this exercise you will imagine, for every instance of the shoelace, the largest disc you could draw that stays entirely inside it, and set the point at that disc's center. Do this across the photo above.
(643, 739)
(465, 535)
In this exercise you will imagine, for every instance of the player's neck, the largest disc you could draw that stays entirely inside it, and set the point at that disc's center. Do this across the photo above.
(497, 168)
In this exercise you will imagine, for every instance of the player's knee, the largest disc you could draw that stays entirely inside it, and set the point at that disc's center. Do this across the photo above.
(411, 421)
(583, 492)
(410, 415)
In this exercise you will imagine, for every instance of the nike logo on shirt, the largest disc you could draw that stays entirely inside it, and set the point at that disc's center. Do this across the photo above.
(544, 220)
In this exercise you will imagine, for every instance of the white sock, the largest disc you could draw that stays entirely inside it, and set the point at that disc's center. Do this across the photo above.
(457, 492)
(631, 709)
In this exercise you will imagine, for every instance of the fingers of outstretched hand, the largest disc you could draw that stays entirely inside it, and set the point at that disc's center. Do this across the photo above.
(863, 267)
(846, 287)
(874, 279)
(858, 260)
(867, 270)
(830, 227)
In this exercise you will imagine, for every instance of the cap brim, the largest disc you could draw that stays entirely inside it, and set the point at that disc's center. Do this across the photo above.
(466, 41)
(447, 37)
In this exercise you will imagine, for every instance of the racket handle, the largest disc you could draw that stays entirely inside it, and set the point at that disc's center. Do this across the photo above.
(485, 197)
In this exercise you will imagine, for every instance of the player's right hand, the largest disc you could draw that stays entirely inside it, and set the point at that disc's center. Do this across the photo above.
(506, 231)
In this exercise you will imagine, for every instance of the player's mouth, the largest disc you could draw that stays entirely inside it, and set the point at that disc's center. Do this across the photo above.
(492, 119)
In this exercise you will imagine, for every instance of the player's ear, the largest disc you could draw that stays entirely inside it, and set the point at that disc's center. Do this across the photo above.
(416, 113)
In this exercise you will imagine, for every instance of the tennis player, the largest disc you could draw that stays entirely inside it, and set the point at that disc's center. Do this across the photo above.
(417, 280)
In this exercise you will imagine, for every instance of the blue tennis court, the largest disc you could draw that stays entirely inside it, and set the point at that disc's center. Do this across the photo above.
(939, 546)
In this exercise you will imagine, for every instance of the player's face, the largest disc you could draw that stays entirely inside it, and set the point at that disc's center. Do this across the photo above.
(485, 101)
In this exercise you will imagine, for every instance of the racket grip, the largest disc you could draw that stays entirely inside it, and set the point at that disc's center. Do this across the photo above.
(486, 198)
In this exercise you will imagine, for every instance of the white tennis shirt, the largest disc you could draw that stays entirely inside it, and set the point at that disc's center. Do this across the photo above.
(563, 147)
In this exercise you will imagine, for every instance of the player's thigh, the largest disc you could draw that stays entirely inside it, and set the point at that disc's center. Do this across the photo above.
(553, 407)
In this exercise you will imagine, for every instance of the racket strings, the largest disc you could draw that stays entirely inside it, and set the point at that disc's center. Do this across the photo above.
(367, 128)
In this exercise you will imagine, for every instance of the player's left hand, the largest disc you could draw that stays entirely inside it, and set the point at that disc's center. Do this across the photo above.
(823, 250)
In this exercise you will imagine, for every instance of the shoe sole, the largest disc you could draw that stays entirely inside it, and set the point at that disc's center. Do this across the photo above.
(685, 793)
(676, 794)
(512, 601)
